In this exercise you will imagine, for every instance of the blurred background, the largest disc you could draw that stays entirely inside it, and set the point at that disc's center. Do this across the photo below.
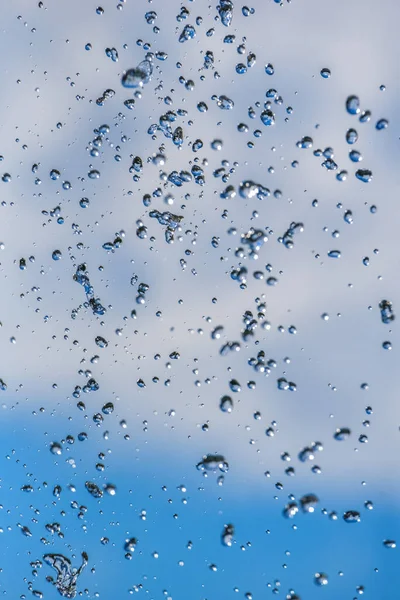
(321, 327)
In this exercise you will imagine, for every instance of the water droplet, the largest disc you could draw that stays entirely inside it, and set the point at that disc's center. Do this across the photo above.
(138, 76)
(112, 53)
(382, 124)
(226, 404)
(67, 576)
(225, 11)
(234, 385)
(269, 69)
(93, 489)
(355, 156)
(213, 462)
(321, 579)
(351, 136)
(56, 448)
(353, 105)
(249, 189)
(334, 254)
(291, 509)
(352, 516)
(348, 217)
(365, 116)
(364, 175)
(342, 175)
(309, 503)
(224, 102)
(227, 535)
(188, 33)
(305, 142)
(84, 202)
(241, 69)
(267, 117)
(108, 408)
(342, 434)
(387, 313)
(101, 342)
(110, 489)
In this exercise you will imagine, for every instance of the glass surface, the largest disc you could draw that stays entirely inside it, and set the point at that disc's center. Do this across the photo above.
(199, 355)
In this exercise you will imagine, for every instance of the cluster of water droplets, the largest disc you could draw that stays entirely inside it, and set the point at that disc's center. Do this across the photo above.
(169, 160)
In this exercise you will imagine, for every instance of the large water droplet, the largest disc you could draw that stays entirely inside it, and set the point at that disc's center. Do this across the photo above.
(66, 575)
(342, 434)
(225, 11)
(267, 117)
(188, 33)
(309, 503)
(387, 314)
(321, 579)
(226, 404)
(353, 105)
(352, 516)
(93, 489)
(351, 136)
(227, 535)
(138, 76)
(364, 175)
